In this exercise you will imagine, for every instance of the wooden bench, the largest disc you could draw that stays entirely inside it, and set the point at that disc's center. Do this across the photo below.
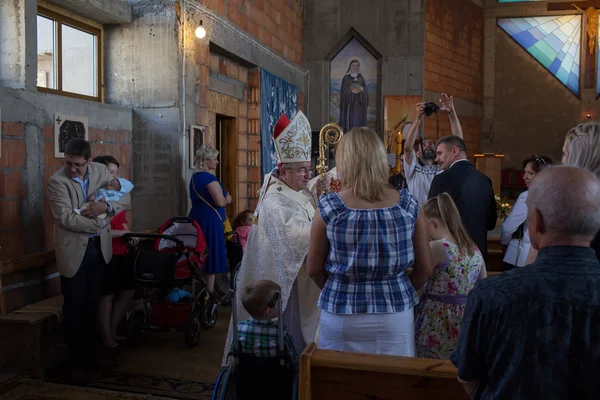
(31, 335)
(332, 375)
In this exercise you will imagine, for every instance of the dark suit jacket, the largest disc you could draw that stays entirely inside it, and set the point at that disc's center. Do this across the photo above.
(474, 197)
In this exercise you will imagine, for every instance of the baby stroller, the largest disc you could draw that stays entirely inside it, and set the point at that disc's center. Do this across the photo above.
(225, 284)
(175, 259)
(250, 377)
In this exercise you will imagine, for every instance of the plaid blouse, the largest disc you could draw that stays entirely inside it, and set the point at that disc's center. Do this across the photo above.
(370, 250)
(260, 338)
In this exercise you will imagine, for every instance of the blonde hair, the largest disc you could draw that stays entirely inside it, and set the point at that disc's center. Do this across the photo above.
(584, 147)
(256, 296)
(443, 209)
(362, 163)
(205, 152)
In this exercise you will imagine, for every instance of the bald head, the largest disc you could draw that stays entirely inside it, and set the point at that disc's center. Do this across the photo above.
(564, 207)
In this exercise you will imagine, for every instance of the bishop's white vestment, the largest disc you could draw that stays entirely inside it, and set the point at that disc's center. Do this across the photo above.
(276, 250)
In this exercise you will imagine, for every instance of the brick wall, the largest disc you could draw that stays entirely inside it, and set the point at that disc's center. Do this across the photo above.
(278, 24)
(12, 180)
(104, 142)
(12, 189)
(454, 62)
(454, 48)
(254, 162)
(471, 131)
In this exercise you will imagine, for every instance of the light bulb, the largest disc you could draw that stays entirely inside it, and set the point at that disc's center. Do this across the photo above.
(200, 32)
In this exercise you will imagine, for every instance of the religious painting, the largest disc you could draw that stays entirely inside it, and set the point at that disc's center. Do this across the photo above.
(196, 140)
(554, 42)
(353, 87)
(68, 127)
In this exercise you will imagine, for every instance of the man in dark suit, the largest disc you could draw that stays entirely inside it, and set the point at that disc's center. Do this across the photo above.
(471, 190)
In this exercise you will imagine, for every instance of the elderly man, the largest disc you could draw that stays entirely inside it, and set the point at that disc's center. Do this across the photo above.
(470, 189)
(278, 242)
(533, 332)
(83, 247)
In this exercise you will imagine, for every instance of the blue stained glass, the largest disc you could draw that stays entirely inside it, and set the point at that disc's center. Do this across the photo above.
(553, 41)
(554, 66)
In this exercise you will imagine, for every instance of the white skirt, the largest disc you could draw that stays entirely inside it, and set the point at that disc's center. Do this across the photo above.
(391, 334)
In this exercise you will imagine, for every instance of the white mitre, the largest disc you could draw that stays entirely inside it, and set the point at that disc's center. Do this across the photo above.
(293, 144)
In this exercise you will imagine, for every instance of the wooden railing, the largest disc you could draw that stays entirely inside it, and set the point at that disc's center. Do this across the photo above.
(333, 375)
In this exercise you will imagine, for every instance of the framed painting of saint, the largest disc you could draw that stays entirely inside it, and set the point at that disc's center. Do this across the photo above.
(353, 87)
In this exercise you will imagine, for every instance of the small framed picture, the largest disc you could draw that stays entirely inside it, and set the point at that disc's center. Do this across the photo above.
(67, 127)
(196, 140)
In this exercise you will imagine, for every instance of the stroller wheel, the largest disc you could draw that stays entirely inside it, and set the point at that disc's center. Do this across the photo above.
(208, 314)
(192, 330)
(134, 326)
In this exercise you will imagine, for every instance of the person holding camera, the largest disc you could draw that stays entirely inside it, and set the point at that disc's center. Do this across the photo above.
(419, 164)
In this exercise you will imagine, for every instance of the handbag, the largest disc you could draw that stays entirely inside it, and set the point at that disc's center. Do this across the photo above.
(519, 234)
(226, 224)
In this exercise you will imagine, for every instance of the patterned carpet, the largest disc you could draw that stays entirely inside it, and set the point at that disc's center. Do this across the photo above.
(159, 367)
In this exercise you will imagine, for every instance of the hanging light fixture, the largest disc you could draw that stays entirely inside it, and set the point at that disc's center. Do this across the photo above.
(200, 31)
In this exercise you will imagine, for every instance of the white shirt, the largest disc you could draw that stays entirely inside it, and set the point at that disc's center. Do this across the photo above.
(419, 178)
(518, 215)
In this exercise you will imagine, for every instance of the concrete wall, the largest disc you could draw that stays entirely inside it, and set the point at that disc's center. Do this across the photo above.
(143, 72)
(394, 28)
(27, 136)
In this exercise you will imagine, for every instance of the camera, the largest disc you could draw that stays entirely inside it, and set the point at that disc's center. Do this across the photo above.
(430, 108)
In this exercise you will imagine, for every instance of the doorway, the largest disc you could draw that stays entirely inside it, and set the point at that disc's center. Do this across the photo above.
(226, 141)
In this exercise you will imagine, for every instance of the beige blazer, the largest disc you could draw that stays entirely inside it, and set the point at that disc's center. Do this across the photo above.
(73, 230)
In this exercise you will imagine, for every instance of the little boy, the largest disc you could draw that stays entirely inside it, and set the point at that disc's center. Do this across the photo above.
(115, 189)
(259, 336)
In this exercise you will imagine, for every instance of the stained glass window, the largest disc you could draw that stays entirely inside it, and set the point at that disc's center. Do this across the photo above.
(553, 41)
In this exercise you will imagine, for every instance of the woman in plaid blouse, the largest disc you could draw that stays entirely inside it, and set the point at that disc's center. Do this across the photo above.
(363, 239)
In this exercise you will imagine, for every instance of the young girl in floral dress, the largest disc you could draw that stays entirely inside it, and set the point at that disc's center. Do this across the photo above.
(458, 266)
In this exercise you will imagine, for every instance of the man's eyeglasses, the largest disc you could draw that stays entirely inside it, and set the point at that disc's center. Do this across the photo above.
(303, 172)
(538, 159)
(76, 165)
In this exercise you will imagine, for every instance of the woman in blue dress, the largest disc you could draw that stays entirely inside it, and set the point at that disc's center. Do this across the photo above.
(209, 199)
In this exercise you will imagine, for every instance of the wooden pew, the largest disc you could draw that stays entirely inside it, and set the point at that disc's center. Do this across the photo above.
(332, 375)
(32, 335)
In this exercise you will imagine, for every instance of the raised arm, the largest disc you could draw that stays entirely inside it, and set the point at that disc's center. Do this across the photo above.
(412, 134)
(447, 104)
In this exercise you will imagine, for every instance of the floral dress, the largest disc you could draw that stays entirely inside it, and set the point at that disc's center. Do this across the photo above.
(439, 314)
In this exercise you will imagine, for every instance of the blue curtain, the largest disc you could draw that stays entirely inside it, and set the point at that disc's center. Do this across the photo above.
(276, 97)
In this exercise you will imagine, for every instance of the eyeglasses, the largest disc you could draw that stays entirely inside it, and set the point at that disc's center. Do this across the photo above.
(303, 172)
(76, 165)
(538, 159)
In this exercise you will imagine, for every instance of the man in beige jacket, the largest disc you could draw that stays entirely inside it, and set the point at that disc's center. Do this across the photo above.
(83, 247)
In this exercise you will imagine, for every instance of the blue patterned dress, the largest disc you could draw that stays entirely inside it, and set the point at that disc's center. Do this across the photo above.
(210, 223)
